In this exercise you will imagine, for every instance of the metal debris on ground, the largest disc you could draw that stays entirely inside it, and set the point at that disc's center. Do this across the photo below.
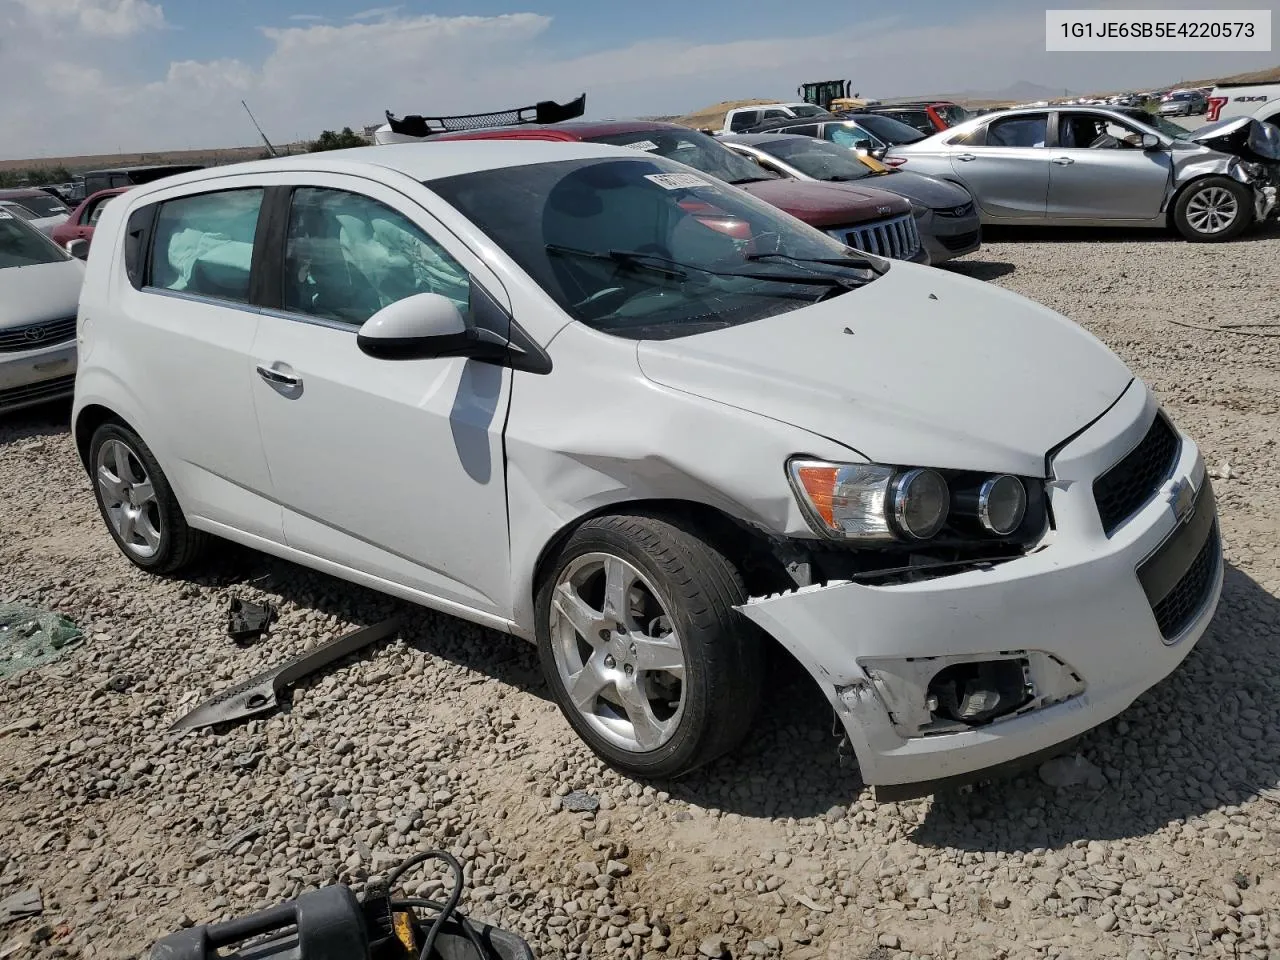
(580, 801)
(23, 904)
(31, 637)
(247, 621)
(260, 694)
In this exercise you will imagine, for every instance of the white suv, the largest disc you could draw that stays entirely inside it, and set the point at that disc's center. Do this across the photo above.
(594, 398)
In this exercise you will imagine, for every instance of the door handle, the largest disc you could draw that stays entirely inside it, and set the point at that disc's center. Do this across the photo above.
(277, 378)
(1063, 161)
(966, 157)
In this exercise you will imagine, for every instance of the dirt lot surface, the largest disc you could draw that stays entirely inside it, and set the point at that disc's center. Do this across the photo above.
(447, 736)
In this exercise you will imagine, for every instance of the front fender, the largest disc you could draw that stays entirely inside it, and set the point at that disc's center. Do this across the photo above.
(633, 440)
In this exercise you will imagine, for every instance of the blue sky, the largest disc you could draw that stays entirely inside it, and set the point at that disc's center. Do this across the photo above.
(106, 75)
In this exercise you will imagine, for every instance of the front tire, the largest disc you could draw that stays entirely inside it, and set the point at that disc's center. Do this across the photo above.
(138, 505)
(642, 648)
(1213, 209)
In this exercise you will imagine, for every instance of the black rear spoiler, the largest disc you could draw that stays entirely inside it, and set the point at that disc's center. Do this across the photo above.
(546, 111)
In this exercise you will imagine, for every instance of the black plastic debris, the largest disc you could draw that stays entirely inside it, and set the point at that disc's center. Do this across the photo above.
(261, 693)
(247, 621)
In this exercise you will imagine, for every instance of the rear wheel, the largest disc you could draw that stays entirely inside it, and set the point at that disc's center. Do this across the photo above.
(1213, 209)
(642, 648)
(141, 512)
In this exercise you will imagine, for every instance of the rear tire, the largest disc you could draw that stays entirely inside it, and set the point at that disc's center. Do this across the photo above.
(138, 505)
(642, 648)
(1213, 209)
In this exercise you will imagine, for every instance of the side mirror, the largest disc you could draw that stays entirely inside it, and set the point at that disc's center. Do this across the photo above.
(879, 152)
(422, 327)
(1150, 141)
(79, 248)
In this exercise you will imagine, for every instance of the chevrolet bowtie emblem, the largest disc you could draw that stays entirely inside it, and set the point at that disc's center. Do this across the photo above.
(1183, 500)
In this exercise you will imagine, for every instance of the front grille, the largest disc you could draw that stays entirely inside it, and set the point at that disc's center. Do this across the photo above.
(36, 392)
(35, 335)
(1134, 480)
(896, 238)
(959, 241)
(1185, 601)
(961, 211)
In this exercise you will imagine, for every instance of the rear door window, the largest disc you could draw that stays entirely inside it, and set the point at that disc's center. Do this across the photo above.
(204, 244)
(744, 119)
(1021, 131)
(801, 130)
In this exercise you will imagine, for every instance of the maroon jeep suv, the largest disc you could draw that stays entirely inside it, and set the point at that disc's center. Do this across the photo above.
(866, 219)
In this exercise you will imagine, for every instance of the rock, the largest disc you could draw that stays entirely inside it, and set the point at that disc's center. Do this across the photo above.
(713, 947)
(889, 941)
(580, 802)
(1107, 922)
(1063, 772)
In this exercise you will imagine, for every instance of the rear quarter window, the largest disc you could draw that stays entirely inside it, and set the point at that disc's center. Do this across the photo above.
(204, 244)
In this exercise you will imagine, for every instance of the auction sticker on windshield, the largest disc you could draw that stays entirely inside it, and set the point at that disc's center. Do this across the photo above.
(642, 145)
(677, 181)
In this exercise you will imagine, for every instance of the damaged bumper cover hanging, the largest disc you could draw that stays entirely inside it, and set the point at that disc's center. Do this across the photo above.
(955, 673)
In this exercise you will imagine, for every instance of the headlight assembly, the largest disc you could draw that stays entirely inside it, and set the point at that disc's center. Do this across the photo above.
(875, 503)
(870, 502)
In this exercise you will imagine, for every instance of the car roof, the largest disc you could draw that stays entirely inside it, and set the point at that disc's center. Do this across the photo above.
(22, 192)
(423, 161)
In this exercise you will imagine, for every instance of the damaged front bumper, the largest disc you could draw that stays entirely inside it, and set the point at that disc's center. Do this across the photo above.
(1068, 630)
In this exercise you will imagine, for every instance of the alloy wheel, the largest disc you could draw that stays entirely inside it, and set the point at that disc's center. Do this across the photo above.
(128, 499)
(1212, 210)
(617, 652)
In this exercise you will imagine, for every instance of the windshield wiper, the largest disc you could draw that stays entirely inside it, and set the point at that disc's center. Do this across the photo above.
(646, 261)
(855, 262)
(657, 262)
(738, 183)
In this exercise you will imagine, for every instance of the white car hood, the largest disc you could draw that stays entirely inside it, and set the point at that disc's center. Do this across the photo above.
(920, 367)
(43, 291)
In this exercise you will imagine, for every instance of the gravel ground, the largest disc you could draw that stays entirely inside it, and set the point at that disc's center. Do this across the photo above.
(446, 736)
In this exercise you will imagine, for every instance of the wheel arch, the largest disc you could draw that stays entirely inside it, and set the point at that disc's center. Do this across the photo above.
(737, 540)
(1171, 205)
(88, 420)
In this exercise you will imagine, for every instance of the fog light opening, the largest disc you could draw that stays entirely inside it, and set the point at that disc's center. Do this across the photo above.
(977, 693)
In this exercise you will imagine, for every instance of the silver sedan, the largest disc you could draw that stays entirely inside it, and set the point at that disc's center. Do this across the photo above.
(1091, 166)
(39, 291)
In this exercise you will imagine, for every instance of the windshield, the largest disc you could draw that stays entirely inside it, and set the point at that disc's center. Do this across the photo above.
(1156, 122)
(819, 159)
(889, 130)
(693, 149)
(44, 205)
(953, 114)
(809, 110)
(648, 249)
(22, 245)
(22, 213)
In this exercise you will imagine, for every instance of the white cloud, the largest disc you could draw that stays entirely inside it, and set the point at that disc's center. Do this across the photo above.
(80, 95)
(109, 18)
(307, 17)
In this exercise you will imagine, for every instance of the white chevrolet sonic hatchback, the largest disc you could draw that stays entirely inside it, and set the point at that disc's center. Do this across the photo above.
(593, 398)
